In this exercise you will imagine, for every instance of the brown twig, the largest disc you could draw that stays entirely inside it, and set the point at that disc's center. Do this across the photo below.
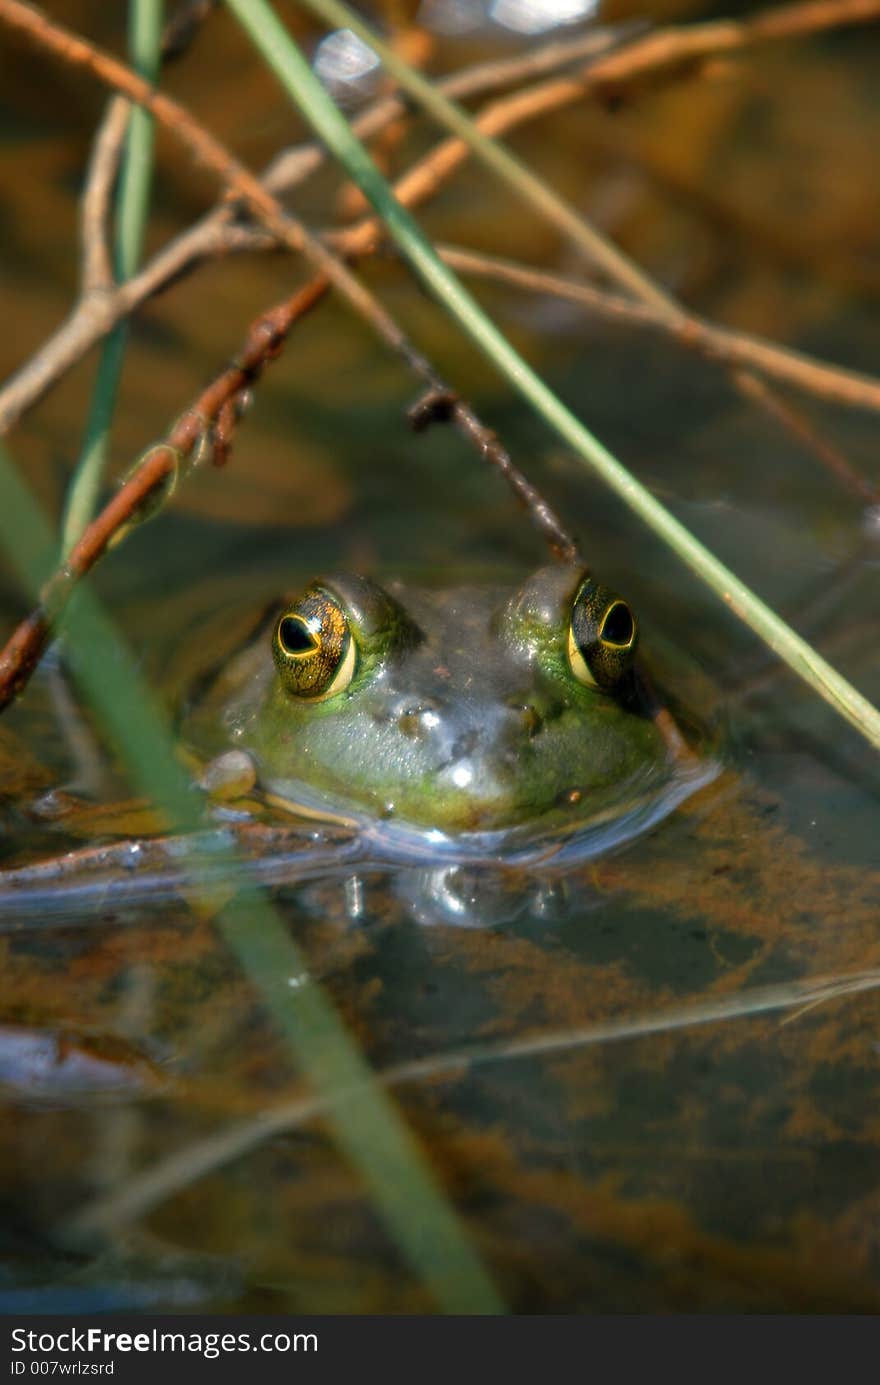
(206, 149)
(418, 184)
(441, 406)
(666, 51)
(23, 651)
(202, 145)
(97, 273)
(662, 52)
(796, 422)
(266, 336)
(722, 344)
(217, 233)
(97, 265)
(292, 166)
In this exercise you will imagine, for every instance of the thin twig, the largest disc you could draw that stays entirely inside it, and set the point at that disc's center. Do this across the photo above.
(292, 166)
(724, 344)
(601, 252)
(370, 1131)
(23, 651)
(442, 405)
(97, 273)
(25, 647)
(286, 60)
(131, 212)
(207, 150)
(97, 268)
(664, 51)
(796, 422)
(218, 234)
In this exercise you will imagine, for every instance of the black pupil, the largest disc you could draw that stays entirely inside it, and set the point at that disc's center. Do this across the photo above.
(617, 628)
(295, 636)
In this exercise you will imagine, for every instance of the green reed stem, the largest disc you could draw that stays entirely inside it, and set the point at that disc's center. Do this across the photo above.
(537, 194)
(145, 47)
(366, 1123)
(284, 57)
(132, 207)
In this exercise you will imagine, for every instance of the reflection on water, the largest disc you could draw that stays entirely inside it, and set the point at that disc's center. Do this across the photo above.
(526, 17)
(538, 16)
(346, 65)
(452, 16)
(610, 1056)
(647, 1075)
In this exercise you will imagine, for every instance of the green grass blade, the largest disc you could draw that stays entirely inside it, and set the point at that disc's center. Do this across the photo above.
(133, 200)
(292, 69)
(537, 194)
(366, 1123)
(145, 48)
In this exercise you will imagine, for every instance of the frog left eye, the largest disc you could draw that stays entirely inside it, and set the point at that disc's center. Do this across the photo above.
(313, 648)
(602, 636)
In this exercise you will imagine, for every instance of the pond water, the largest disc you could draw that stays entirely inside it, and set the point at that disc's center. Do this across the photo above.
(674, 1105)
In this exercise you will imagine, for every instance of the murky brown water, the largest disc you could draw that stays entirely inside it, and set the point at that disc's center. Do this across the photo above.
(726, 1162)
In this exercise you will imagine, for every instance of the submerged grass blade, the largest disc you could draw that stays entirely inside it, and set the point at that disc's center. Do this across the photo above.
(145, 42)
(144, 1191)
(366, 1123)
(284, 57)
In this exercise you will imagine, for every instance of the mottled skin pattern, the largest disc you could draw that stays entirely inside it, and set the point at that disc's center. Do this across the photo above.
(463, 712)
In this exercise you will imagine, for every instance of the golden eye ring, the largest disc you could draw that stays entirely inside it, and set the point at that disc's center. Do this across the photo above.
(313, 648)
(602, 636)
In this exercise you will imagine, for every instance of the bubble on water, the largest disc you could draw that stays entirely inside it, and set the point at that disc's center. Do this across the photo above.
(346, 65)
(871, 522)
(537, 16)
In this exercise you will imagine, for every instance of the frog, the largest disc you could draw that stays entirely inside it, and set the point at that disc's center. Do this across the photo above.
(462, 713)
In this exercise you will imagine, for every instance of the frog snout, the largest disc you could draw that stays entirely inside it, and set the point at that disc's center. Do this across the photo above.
(462, 733)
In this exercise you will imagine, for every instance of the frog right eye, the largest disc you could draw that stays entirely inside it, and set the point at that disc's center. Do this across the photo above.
(602, 636)
(313, 647)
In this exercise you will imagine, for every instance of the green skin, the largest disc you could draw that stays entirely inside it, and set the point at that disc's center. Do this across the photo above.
(463, 714)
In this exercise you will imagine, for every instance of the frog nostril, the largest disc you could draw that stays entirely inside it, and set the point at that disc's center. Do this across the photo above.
(523, 716)
(531, 719)
(465, 744)
(417, 720)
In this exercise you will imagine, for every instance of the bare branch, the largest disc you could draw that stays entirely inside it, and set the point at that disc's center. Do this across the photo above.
(22, 653)
(293, 166)
(667, 50)
(97, 268)
(218, 234)
(722, 344)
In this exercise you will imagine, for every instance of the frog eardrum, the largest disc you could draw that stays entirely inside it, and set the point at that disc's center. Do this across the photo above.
(313, 647)
(602, 636)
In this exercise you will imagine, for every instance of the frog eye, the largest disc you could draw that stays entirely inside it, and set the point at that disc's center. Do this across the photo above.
(313, 647)
(602, 636)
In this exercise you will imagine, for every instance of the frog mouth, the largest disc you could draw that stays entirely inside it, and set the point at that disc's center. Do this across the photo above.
(565, 832)
(314, 837)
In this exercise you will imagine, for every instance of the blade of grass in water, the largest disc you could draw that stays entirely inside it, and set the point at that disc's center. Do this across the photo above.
(133, 200)
(110, 1212)
(284, 57)
(366, 1123)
